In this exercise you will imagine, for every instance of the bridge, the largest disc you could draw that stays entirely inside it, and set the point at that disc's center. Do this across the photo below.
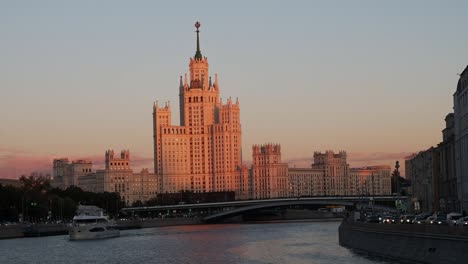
(211, 212)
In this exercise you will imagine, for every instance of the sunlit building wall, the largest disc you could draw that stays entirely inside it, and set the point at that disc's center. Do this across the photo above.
(372, 180)
(330, 175)
(270, 174)
(306, 182)
(336, 169)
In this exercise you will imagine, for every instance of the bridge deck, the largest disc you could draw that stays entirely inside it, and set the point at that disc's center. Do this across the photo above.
(323, 200)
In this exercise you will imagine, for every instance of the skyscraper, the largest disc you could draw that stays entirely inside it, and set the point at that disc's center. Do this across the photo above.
(203, 154)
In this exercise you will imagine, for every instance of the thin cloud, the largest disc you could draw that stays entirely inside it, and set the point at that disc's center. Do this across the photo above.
(15, 166)
(14, 163)
(361, 159)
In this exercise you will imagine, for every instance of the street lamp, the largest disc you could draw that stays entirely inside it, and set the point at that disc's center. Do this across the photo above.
(373, 193)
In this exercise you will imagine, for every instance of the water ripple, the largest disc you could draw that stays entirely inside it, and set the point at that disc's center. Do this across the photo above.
(295, 243)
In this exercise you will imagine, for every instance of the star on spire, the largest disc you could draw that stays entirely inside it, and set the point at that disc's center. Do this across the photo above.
(198, 54)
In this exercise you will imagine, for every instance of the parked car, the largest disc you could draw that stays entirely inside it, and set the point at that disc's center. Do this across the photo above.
(440, 220)
(452, 218)
(419, 219)
(440, 214)
(463, 221)
(429, 220)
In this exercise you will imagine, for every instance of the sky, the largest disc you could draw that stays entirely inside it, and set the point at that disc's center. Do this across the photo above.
(374, 78)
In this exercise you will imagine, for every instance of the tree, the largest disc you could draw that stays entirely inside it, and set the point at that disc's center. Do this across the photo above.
(396, 178)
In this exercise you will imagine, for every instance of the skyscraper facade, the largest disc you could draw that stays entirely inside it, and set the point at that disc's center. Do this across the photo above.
(203, 153)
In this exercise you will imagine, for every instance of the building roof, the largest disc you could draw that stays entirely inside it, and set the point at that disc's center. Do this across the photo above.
(465, 71)
(459, 84)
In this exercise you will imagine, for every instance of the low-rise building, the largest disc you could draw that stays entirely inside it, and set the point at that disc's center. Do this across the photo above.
(335, 172)
(117, 176)
(306, 182)
(372, 180)
(66, 174)
(329, 175)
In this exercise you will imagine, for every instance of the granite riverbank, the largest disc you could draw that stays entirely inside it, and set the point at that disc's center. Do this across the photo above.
(407, 243)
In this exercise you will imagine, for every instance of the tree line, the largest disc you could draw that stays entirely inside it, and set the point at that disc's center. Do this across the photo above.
(36, 201)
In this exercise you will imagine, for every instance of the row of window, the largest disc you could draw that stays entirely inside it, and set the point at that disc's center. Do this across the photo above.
(200, 99)
(175, 131)
(119, 163)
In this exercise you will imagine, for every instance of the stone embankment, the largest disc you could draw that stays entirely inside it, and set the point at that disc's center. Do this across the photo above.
(156, 222)
(11, 231)
(36, 230)
(407, 243)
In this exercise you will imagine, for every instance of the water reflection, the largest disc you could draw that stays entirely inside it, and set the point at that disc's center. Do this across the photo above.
(296, 243)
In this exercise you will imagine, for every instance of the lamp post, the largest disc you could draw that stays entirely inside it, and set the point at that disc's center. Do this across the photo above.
(373, 193)
(396, 180)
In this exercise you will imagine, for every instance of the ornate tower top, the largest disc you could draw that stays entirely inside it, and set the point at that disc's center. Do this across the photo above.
(198, 54)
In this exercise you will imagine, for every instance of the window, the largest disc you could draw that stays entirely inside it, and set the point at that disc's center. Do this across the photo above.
(97, 229)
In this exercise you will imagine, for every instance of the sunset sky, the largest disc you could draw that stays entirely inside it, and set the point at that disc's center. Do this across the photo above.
(373, 78)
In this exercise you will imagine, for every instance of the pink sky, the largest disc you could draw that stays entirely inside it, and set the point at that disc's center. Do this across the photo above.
(15, 163)
(374, 79)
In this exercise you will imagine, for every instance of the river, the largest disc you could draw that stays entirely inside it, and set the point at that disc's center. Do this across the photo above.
(287, 242)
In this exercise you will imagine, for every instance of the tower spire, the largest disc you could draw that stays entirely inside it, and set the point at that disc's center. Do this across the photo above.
(198, 53)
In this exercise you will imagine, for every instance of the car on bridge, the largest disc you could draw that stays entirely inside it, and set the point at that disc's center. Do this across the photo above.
(463, 221)
(452, 218)
(429, 220)
(406, 219)
(389, 219)
(419, 219)
(440, 220)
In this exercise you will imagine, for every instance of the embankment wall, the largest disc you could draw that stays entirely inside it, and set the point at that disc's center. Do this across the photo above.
(407, 243)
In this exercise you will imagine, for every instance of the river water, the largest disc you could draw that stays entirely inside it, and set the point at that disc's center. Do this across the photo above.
(295, 243)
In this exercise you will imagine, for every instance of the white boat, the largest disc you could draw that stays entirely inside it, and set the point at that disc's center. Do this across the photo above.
(91, 223)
